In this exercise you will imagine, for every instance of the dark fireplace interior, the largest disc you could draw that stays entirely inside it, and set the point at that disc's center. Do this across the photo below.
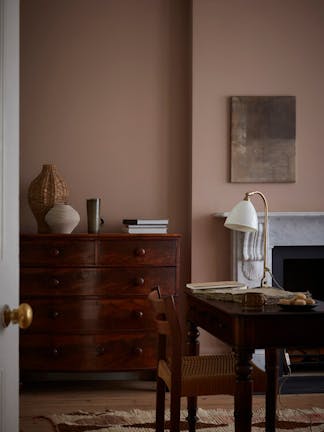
(300, 268)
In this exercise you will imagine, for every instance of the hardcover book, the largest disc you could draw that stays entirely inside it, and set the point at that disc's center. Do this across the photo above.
(140, 230)
(142, 221)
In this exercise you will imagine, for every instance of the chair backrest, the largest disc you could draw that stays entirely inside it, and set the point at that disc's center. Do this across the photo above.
(168, 326)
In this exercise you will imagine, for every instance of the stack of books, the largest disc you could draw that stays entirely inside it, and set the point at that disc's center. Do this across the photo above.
(145, 226)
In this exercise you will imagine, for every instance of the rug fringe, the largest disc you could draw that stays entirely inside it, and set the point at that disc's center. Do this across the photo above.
(220, 420)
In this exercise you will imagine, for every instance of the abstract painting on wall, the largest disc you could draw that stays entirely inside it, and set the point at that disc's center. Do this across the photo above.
(263, 132)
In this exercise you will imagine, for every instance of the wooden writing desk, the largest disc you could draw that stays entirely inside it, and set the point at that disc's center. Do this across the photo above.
(270, 328)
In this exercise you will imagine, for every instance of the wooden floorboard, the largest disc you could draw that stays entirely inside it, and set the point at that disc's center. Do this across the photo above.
(62, 397)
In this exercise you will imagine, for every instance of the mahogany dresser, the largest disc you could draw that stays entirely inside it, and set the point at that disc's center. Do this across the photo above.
(88, 293)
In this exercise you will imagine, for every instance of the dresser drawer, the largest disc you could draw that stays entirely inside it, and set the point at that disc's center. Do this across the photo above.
(57, 252)
(112, 282)
(117, 352)
(90, 316)
(55, 281)
(137, 252)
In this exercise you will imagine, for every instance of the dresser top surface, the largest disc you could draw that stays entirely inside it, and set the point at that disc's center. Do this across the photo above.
(100, 236)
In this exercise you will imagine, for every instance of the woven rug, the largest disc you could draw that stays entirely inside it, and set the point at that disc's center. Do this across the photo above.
(220, 420)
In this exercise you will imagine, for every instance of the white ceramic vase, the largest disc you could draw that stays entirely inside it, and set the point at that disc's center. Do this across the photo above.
(62, 218)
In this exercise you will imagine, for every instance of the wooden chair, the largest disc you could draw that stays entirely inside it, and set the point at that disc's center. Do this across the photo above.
(185, 376)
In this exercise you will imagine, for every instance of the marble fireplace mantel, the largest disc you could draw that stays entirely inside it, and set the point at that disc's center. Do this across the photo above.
(285, 229)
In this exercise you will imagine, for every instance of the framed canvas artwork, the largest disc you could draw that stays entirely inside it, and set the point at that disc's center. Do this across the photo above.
(263, 132)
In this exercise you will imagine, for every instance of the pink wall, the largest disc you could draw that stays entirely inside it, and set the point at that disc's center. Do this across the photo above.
(252, 47)
(104, 96)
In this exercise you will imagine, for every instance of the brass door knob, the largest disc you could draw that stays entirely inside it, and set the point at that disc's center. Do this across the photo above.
(23, 315)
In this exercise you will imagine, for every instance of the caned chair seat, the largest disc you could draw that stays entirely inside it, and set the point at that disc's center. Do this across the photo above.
(188, 376)
(202, 375)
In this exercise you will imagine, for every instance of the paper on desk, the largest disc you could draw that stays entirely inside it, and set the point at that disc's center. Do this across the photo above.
(207, 286)
(272, 295)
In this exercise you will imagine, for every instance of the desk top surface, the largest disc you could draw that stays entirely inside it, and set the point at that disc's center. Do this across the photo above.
(270, 326)
(237, 309)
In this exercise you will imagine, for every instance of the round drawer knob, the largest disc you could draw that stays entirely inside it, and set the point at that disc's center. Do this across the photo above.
(138, 351)
(55, 252)
(139, 281)
(55, 282)
(55, 314)
(138, 314)
(56, 352)
(100, 350)
(140, 252)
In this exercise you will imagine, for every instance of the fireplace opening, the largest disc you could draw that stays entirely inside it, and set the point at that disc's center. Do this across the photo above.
(300, 268)
(304, 275)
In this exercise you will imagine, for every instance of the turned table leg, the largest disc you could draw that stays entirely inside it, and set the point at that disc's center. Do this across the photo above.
(243, 391)
(272, 369)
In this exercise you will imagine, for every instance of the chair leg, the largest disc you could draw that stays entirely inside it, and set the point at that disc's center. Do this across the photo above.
(175, 406)
(160, 405)
(192, 413)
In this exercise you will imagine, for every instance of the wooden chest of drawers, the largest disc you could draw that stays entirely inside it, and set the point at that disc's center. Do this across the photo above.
(88, 293)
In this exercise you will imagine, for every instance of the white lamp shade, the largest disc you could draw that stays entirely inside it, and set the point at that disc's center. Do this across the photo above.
(243, 217)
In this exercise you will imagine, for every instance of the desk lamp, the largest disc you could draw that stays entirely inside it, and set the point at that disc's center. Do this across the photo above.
(243, 217)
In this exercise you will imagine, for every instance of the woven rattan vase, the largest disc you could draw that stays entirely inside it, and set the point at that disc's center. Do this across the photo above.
(47, 189)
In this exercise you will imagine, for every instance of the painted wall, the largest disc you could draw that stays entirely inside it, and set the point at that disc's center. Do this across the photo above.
(104, 96)
(252, 47)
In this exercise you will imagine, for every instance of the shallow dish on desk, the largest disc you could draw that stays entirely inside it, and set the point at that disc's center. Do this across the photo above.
(297, 307)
